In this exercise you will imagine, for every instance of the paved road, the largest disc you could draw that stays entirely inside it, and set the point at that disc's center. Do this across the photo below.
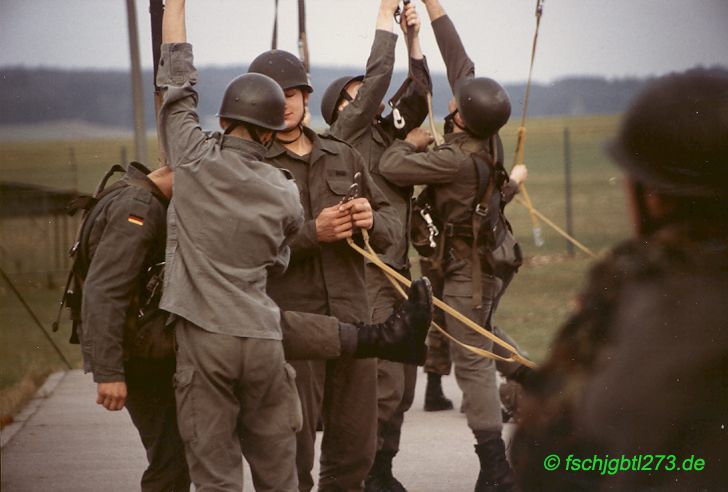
(68, 443)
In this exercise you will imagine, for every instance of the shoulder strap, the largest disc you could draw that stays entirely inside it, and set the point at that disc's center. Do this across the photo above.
(85, 203)
(486, 186)
(485, 168)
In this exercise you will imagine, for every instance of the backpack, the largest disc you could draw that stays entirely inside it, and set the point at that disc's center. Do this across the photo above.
(73, 292)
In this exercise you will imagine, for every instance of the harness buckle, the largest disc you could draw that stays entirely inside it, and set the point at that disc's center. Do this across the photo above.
(482, 211)
(432, 230)
(398, 119)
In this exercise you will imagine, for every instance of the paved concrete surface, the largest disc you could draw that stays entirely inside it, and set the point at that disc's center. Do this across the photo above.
(65, 442)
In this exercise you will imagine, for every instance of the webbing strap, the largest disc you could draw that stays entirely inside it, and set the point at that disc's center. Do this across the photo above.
(556, 228)
(534, 214)
(480, 210)
(520, 143)
(395, 277)
(73, 253)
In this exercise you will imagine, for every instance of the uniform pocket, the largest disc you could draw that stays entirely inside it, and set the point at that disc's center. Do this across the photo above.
(184, 394)
(339, 185)
(295, 413)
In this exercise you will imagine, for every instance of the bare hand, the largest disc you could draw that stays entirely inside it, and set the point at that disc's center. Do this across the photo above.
(333, 225)
(410, 21)
(111, 395)
(420, 138)
(519, 173)
(361, 212)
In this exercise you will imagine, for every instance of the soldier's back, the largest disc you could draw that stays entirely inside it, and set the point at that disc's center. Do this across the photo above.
(642, 367)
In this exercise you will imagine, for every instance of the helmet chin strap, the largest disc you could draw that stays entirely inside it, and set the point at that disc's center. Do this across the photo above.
(300, 133)
(232, 126)
(450, 123)
(252, 131)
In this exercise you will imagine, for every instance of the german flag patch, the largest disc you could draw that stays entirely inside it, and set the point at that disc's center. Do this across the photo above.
(135, 219)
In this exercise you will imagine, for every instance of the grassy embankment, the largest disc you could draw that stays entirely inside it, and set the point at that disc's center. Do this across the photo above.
(537, 302)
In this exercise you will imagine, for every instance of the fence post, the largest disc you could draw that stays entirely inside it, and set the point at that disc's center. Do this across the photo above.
(567, 190)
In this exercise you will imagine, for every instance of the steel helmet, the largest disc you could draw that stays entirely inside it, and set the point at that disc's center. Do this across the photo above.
(674, 137)
(334, 92)
(483, 105)
(283, 67)
(254, 98)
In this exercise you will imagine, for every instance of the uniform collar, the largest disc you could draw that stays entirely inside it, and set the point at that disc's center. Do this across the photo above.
(247, 147)
(466, 141)
(323, 144)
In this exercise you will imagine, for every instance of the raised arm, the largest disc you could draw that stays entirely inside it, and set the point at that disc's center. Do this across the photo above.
(174, 29)
(405, 164)
(413, 104)
(179, 127)
(458, 64)
(358, 115)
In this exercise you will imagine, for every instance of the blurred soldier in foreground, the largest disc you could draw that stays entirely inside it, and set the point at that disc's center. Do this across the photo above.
(642, 366)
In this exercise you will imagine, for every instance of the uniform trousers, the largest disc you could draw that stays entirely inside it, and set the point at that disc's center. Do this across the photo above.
(150, 403)
(343, 393)
(236, 394)
(474, 374)
(395, 381)
(438, 346)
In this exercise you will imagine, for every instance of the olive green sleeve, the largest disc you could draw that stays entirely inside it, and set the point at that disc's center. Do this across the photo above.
(387, 226)
(458, 63)
(402, 165)
(357, 116)
(135, 223)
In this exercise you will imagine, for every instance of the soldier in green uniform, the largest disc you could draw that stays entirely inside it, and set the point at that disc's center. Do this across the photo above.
(438, 362)
(352, 105)
(641, 368)
(468, 190)
(326, 276)
(130, 352)
(228, 223)
(130, 355)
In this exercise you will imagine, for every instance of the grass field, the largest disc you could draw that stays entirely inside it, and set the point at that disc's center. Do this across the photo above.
(538, 300)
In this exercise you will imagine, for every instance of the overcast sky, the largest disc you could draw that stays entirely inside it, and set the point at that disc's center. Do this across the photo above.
(613, 38)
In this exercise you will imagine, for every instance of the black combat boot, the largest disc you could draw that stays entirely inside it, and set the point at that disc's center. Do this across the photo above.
(435, 400)
(495, 472)
(523, 375)
(380, 478)
(401, 338)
